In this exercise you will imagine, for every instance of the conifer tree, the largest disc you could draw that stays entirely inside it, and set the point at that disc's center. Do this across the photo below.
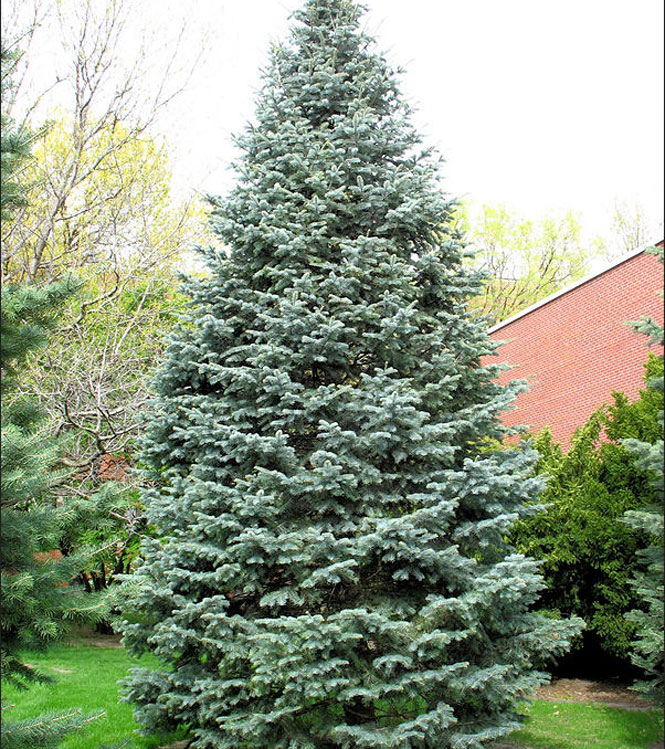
(15, 142)
(38, 602)
(333, 570)
(648, 651)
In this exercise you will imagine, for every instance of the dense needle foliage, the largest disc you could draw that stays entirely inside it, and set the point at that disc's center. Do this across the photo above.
(333, 569)
(648, 648)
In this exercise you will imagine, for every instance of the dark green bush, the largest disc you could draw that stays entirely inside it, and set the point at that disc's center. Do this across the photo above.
(588, 553)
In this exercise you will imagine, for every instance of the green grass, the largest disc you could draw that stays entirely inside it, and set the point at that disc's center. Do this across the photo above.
(564, 725)
(88, 676)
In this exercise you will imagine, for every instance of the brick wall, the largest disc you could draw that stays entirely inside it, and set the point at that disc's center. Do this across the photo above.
(576, 349)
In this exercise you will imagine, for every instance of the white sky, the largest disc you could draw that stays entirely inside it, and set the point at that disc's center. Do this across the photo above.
(544, 106)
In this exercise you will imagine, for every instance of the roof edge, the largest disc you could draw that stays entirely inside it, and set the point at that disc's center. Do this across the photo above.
(561, 292)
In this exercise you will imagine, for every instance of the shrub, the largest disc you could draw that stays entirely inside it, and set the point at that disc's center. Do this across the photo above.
(588, 553)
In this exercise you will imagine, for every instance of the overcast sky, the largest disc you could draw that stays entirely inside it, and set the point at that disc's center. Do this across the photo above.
(544, 106)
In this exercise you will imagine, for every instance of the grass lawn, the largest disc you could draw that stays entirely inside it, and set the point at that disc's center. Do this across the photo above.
(87, 675)
(564, 725)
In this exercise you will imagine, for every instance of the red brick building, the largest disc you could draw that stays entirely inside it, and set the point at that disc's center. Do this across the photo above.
(574, 347)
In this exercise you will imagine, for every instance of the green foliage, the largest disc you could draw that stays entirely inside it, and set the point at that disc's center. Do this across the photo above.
(647, 450)
(86, 670)
(28, 316)
(639, 419)
(331, 567)
(15, 144)
(46, 731)
(35, 605)
(523, 261)
(648, 585)
(110, 519)
(588, 552)
(37, 599)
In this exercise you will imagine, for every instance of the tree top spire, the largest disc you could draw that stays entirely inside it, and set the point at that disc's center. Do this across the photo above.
(330, 12)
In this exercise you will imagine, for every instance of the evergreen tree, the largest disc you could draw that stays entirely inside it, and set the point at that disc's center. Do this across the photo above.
(15, 142)
(648, 646)
(38, 602)
(333, 569)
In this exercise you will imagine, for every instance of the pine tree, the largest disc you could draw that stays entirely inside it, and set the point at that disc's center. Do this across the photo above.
(14, 142)
(333, 569)
(38, 602)
(648, 646)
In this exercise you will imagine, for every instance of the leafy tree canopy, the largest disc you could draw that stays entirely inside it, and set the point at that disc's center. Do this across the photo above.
(523, 260)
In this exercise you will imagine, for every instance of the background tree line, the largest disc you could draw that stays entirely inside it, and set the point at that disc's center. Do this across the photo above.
(92, 241)
(97, 205)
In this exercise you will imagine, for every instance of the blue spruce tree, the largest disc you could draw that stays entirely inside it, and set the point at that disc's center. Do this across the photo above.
(333, 570)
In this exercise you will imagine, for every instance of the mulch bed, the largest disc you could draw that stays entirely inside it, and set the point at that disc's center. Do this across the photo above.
(606, 693)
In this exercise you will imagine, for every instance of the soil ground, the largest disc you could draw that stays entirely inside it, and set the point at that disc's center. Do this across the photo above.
(85, 637)
(612, 694)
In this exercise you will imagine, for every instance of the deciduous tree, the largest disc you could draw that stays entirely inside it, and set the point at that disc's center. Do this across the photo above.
(124, 235)
(523, 261)
(100, 204)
